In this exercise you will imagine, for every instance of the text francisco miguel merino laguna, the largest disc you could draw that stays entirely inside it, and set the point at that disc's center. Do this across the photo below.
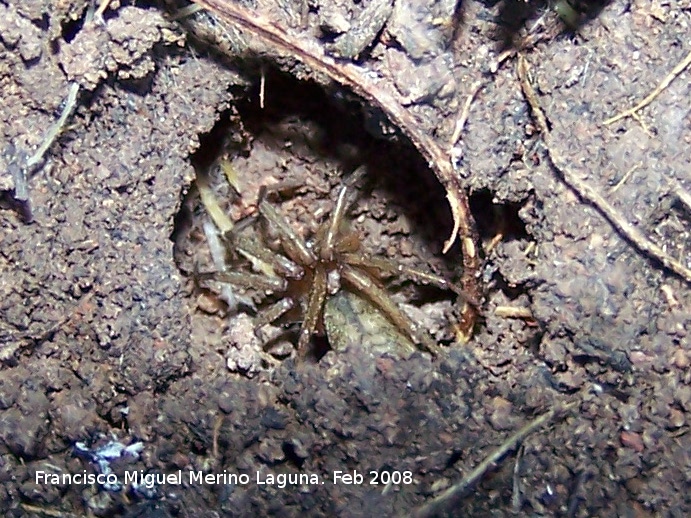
(150, 480)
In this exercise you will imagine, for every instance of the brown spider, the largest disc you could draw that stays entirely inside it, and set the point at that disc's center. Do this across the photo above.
(317, 270)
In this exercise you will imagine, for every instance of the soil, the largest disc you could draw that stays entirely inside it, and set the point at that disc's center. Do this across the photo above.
(115, 359)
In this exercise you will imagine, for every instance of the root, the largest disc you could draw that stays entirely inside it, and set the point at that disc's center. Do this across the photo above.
(353, 77)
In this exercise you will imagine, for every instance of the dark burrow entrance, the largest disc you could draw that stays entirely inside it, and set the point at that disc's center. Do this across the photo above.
(306, 144)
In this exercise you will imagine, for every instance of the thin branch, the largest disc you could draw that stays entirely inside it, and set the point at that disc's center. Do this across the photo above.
(446, 500)
(631, 112)
(587, 193)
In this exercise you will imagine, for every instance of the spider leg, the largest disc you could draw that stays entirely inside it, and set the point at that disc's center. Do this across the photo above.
(246, 280)
(390, 268)
(364, 284)
(213, 208)
(265, 260)
(272, 313)
(315, 304)
(293, 244)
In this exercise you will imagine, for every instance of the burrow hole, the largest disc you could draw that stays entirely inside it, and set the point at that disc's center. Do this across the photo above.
(307, 141)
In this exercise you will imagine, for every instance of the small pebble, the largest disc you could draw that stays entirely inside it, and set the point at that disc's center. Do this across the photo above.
(632, 440)
(680, 359)
(676, 418)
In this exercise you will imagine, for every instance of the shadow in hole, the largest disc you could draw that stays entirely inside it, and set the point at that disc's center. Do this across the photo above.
(513, 15)
(344, 134)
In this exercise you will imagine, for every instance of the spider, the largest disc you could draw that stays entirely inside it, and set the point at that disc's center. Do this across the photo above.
(310, 272)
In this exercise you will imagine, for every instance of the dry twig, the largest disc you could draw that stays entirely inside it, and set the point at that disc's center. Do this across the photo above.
(46, 511)
(460, 123)
(631, 112)
(514, 312)
(355, 78)
(625, 178)
(56, 128)
(587, 193)
(445, 501)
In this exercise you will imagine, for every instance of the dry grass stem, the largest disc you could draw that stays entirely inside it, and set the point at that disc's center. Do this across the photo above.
(56, 128)
(631, 112)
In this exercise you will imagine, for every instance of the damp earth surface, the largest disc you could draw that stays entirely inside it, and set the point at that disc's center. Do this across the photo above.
(115, 359)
